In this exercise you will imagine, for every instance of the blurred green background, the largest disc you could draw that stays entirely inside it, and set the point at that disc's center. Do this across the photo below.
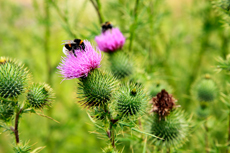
(177, 41)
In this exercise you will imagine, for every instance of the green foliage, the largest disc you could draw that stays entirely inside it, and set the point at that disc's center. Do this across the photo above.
(22, 148)
(39, 95)
(97, 89)
(13, 78)
(173, 129)
(131, 100)
(121, 65)
(224, 64)
(6, 111)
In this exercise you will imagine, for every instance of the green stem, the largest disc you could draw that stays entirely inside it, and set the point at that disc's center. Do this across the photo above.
(98, 9)
(112, 135)
(133, 26)
(15, 129)
(64, 18)
(228, 131)
(206, 136)
(168, 150)
(48, 64)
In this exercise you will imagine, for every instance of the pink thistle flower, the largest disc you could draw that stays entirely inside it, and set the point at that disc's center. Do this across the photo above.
(110, 40)
(81, 64)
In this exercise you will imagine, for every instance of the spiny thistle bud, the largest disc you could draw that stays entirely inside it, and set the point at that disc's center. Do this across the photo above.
(97, 88)
(13, 78)
(163, 104)
(173, 129)
(6, 111)
(157, 86)
(131, 100)
(205, 89)
(39, 95)
(121, 65)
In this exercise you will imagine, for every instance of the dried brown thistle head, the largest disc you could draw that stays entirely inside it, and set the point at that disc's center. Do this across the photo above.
(163, 103)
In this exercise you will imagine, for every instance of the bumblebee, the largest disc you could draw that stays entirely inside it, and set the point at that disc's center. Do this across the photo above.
(105, 26)
(71, 45)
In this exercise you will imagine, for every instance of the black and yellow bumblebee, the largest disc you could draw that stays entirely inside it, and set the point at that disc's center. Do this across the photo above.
(71, 45)
(105, 26)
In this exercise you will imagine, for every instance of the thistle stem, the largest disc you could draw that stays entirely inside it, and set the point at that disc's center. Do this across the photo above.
(133, 26)
(168, 150)
(112, 135)
(64, 18)
(98, 9)
(15, 130)
(206, 136)
(228, 131)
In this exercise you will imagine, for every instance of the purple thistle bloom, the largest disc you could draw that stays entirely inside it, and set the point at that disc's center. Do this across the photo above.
(110, 40)
(79, 66)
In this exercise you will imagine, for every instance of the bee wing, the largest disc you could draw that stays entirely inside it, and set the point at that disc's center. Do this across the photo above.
(68, 42)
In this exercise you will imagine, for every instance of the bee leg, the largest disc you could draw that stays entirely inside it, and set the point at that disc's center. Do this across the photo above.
(74, 53)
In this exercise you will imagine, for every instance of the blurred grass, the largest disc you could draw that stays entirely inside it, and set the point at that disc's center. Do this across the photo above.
(176, 41)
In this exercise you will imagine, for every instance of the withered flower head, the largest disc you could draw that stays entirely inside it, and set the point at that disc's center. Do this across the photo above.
(163, 103)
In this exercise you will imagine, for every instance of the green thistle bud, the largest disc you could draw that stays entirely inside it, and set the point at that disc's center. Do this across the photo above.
(131, 100)
(121, 66)
(173, 129)
(157, 86)
(205, 89)
(13, 78)
(39, 95)
(6, 111)
(97, 88)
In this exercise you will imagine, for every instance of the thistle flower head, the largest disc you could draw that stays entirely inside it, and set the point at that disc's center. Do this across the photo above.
(97, 89)
(131, 100)
(110, 40)
(13, 78)
(39, 95)
(163, 103)
(80, 65)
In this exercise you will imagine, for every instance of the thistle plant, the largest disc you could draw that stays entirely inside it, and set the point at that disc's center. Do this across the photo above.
(167, 121)
(109, 103)
(111, 41)
(15, 85)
